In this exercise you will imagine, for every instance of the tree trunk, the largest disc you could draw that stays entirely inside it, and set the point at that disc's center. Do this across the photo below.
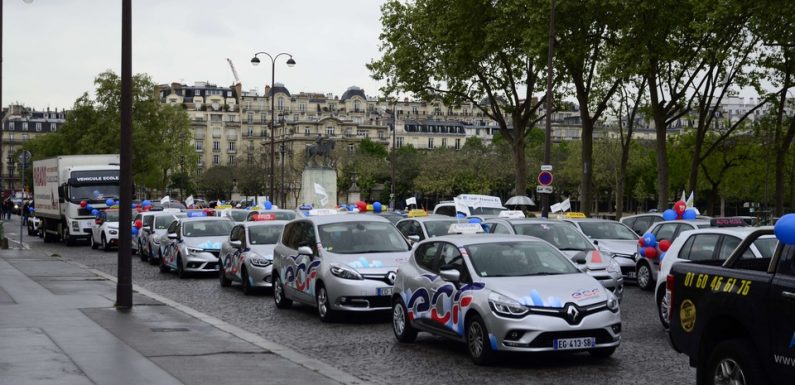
(693, 180)
(660, 128)
(520, 161)
(779, 194)
(620, 196)
(586, 185)
(713, 199)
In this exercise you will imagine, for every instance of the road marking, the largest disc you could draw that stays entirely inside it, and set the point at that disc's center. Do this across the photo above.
(280, 350)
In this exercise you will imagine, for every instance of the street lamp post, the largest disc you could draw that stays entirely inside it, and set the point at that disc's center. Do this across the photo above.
(290, 62)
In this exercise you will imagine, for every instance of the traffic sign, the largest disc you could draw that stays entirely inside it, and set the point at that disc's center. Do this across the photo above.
(545, 178)
(544, 189)
(546, 167)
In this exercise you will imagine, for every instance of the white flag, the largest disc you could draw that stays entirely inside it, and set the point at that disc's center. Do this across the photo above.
(165, 200)
(411, 201)
(461, 206)
(189, 201)
(684, 197)
(690, 200)
(565, 205)
(319, 190)
(555, 208)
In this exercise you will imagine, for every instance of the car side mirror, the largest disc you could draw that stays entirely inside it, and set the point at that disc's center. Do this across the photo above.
(414, 238)
(579, 259)
(172, 235)
(148, 228)
(450, 275)
(596, 242)
(305, 250)
(236, 244)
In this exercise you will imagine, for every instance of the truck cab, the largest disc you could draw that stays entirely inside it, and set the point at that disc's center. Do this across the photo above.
(736, 320)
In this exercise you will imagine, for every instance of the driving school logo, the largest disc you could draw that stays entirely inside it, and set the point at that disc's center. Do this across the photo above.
(687, 315)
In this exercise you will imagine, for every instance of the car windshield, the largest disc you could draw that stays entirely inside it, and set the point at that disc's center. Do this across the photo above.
(516, 259)
(562, 236)
(264, 235)
(607, 230)
(98, 192)
(361, 237)
(162, 221)
(438, 228)
(237, 216)
(111, 216)
(766, 246)
(486, 210)
(206, 228)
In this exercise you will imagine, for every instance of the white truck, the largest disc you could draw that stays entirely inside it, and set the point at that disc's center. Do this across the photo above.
(62, 184)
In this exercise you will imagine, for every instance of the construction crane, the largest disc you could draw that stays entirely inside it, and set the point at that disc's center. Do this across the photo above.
(234, 71)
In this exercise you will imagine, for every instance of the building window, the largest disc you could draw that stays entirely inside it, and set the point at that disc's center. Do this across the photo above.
(307, 131)
(356, 106)
(216, 118)
(38, 127)
(230, 160)
(250, 118)
(216, 160)
(24, 126)
(200, 163)
(444, 142)
(302, 107)
(53, 127)
(381, 135)
(280, 104)
(330, 131)
(430, 142)
(199, 146)
(458, 144)
(399, 142)
(351, 147)
(232, 146)
(250, 131)
(362, 133)
(216, 145)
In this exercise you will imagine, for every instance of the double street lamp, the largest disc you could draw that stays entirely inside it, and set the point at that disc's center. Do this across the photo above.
(290, 62)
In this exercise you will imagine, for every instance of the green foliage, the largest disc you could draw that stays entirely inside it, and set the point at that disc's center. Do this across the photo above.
(161, 133)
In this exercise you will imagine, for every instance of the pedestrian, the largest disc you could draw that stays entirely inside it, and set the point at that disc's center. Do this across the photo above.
(9, 207)
(25, 213)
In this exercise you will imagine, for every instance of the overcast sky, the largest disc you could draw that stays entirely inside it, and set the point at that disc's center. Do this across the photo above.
(53, 49)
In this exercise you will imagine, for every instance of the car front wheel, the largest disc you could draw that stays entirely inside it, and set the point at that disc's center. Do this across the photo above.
(225, 282)
(732, 362)
(323, 303)
(662, 307)
(278, 295)
(401, 325)
(478, 342)
(644, 276)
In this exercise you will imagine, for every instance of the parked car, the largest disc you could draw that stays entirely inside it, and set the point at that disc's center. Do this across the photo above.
(105, 230)
(338, 262)
(614, 239)
(154, 227)
(276, 214)
(420, 228)
(571, 242)
(247, 256)
(193, 244)
(646, 268)
(503, 293)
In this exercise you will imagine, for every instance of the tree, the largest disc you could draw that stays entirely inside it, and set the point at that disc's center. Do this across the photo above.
(217, 183)
(490, 54)
(160, 132)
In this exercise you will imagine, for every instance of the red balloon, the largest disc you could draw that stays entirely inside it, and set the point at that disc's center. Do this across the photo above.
(139, 224)
(641, 242)
(362, 206)
(680, 208)
(83, 204)
(650, 252)
(664, 245)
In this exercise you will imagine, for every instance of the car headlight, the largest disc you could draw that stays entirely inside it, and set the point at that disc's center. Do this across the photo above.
(613, 267)
(113, 231)
(345, 272)
(612, 303)
(195, 250)
(259, 261)
(506, 307)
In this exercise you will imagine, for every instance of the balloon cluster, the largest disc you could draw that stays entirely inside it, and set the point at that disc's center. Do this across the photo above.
(363, 207)
(680, 211)
(651, 248)
(268, 205)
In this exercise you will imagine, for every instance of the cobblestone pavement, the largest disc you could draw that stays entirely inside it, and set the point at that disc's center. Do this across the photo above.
(366, 347)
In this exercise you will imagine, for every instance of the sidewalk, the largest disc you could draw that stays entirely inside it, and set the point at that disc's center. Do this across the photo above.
(58, 326)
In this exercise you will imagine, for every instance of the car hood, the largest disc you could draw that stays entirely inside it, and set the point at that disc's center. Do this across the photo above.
(266, 251)
(619, 246)
(550, 290)
(371, 263)
(207, 243)
(594, 259)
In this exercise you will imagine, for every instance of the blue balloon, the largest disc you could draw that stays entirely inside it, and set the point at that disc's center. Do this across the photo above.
(669, 215)
(689, 214)
(116, 202)
(377, 207)
(94, 212)
(351, 206)
(133, 205)
(134, 230)
(642, 252)
(474, 220)
(650, 240)
(268, 205)
(89, 207)
(785, 229)
(146, 203)
(96, 193)
(30, 209)
(662, 255)
(460, 215)
(109, 202)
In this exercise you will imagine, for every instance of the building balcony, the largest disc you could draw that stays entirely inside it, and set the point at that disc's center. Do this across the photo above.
(231, 151)
(216, 150)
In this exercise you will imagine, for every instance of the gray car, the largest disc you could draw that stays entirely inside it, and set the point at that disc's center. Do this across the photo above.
(338, 262)
(154, 227)
(247, 256)
(571, 242)
(503, 293)
(425, 227)
(614, 239)
(193, 244)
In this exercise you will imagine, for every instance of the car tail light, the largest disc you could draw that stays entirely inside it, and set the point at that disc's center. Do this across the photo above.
(669, 291)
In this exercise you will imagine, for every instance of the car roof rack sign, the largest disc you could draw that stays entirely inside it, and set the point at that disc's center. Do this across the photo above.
(465, 228)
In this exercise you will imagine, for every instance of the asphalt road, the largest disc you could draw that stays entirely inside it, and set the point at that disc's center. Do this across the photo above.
(366, 347)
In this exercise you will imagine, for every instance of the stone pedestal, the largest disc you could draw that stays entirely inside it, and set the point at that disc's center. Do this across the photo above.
(326, 178)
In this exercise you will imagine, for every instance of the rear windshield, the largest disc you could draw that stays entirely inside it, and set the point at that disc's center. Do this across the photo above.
(438, 228)
(112, 216)
(162, 221)
(766, 246)
(237, 216)
(562, 236)
(264, 235)
(607, 230)
(517, 259)
(361, 237)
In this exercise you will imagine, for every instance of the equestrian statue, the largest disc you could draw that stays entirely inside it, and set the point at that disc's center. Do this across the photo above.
(323, 147)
